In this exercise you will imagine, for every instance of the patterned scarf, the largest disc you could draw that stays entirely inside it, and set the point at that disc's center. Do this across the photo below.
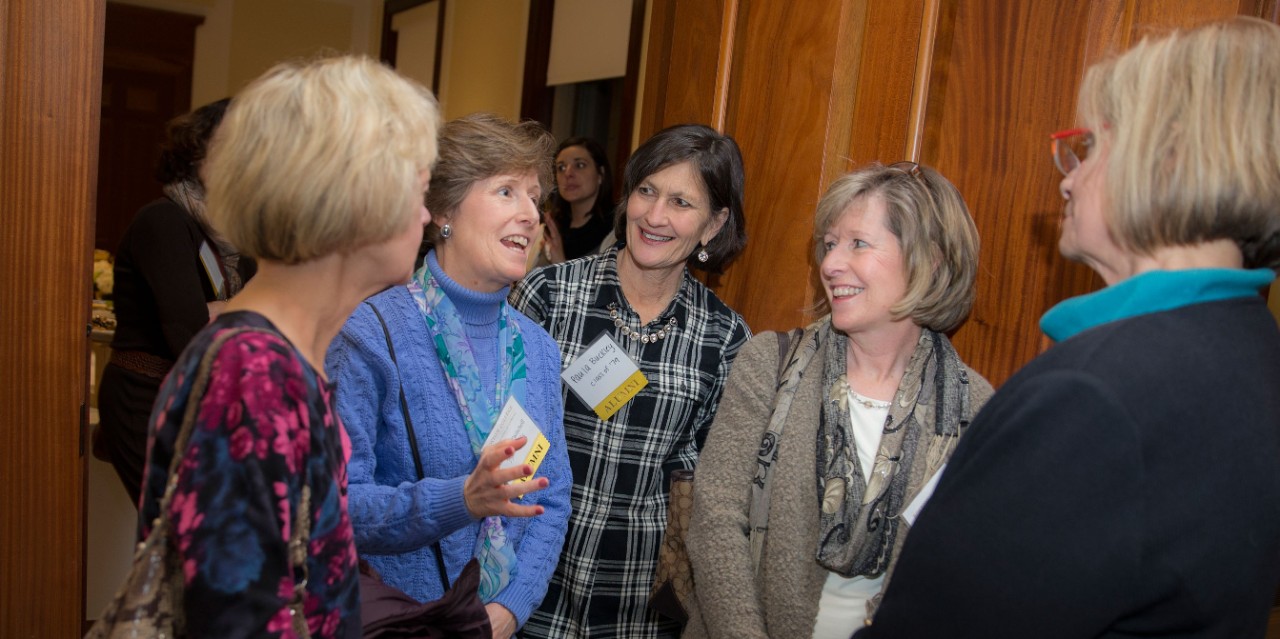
(859, 520)
(479, 409)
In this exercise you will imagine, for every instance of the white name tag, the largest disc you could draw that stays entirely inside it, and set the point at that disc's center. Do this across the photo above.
(514, 422)
(211, 268)
(604, 377)
(913, 509)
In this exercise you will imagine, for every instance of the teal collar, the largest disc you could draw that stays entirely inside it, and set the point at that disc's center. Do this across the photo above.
(1151, 292)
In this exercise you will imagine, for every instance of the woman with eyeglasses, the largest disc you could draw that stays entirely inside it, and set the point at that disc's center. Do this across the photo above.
(1127, 482)
(580, 209)
(824, 441)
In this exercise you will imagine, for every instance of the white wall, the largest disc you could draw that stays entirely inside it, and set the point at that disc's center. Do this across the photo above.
(242, 38)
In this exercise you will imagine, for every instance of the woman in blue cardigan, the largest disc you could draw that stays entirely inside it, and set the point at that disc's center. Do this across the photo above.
(437, 360)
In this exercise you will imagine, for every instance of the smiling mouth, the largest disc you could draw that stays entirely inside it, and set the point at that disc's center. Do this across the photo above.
(654, 238)
(518, 242)
(845, 291)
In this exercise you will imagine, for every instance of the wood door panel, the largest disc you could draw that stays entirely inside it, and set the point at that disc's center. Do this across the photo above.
(50, 77)
(148, 57)
(882, 101)
(818, 87)
(778, 114)
(1007, 90)
(681, 66)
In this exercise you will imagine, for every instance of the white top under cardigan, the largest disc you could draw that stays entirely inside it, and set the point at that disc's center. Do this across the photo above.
(843, 606)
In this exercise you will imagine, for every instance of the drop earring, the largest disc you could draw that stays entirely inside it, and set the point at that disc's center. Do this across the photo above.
(703, 256)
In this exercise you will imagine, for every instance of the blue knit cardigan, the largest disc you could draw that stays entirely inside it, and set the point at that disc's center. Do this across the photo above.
(397, 518)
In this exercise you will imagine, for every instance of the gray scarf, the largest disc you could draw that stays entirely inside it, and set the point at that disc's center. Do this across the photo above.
(189, 194)
(859, 520)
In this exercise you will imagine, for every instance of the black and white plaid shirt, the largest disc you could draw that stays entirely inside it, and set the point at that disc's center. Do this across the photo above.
(622, 466)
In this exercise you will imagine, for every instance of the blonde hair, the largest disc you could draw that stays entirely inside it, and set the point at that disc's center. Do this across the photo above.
(319, 157)
(1192, 121)
(479, 146)
(938, 238)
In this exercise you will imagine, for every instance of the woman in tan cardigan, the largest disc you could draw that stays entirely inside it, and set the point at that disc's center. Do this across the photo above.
(828, 455)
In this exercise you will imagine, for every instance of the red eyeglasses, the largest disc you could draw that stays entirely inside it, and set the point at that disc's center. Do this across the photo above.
(1069, 147)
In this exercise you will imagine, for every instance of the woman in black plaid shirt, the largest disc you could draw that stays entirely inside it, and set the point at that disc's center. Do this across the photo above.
(682, 208)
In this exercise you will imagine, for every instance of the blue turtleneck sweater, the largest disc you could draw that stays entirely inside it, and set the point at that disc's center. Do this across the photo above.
(479, 312)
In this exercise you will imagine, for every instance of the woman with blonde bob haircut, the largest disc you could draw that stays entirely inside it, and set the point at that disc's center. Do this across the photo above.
(318, 172)
(336, 176)
(938, 238)
(1127, 482)
(865, 405)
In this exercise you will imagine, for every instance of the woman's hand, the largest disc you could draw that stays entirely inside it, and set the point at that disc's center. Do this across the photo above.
(537, 246)
(486, 491)
(554, 245)
(501, 620)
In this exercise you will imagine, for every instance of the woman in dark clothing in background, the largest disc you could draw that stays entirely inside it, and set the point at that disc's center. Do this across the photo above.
(172, 273)
(580, 209)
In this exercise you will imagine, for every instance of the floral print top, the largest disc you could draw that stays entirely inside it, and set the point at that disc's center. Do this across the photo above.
(265, 427)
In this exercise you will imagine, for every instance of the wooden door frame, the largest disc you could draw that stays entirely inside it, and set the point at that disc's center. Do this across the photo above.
(50, 92)
(390, 38)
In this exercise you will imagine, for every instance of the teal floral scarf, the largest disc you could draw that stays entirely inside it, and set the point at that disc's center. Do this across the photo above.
(479, 409)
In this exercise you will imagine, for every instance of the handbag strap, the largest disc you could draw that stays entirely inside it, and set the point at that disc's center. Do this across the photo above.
(300, 535)
(758, 508)
(413, 437)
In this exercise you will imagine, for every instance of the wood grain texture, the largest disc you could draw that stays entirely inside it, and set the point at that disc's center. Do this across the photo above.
(50, 79)
(1008, 88)
(818, 88)
(783, 86)
(680, 76)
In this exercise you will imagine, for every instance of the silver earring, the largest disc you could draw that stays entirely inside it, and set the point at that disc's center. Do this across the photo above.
(703, 256)
(446, 231)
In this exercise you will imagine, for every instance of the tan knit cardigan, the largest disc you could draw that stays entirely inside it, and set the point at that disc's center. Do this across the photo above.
(783, 602)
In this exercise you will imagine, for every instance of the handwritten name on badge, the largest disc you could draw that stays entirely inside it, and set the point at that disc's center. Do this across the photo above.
(513, 422)
(604, 377)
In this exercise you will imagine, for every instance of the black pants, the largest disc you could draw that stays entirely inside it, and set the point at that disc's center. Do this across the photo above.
(124, 408)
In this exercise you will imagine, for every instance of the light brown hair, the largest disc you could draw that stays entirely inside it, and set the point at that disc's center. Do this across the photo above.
(938, 238)
(479, 146)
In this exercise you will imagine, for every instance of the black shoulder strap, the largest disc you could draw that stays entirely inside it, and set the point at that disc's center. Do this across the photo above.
(413, 437)
(786, 348)
(404, 403)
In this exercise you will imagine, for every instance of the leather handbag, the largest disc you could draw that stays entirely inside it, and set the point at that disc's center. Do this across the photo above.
(673, 579)
(149, 603)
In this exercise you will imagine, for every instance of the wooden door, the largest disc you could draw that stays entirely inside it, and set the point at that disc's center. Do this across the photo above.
(50, 77)
(148, 57)
(813, 88)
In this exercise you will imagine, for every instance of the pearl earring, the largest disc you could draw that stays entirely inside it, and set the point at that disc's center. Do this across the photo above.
(446, 231)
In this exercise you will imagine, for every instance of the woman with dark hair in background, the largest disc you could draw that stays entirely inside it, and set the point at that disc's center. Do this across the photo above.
(639, 302)
(581, 207)
(172, 273)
